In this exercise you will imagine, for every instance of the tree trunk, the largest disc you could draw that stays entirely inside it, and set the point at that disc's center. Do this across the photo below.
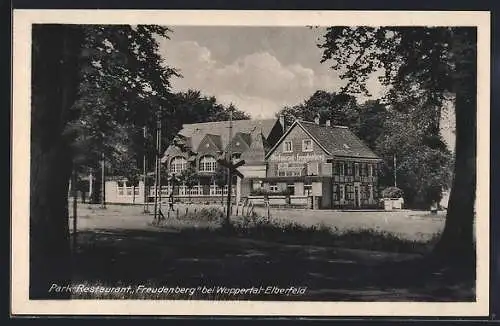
(54, 86)
(457, 243)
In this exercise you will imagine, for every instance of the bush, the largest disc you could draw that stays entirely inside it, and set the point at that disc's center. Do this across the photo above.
(264, 192)
(392, 192)
(211, 214)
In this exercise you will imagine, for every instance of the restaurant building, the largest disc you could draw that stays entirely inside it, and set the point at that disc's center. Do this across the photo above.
(318, 166)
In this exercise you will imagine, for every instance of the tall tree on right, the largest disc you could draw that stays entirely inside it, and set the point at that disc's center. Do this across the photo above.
(427, 66)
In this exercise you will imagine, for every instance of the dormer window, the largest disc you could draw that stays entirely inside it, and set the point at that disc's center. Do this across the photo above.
(307, 145)
(178, 164)
(287, 146)
(208, 164)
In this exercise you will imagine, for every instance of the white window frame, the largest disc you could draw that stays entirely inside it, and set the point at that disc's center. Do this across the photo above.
(284, 146)
(175, 166)
(304, 149)
(209, 166)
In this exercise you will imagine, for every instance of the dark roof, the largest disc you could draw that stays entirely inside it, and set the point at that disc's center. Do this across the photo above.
(197, 131)
(338, 140)
(215, 139)
(257, 151)
(334, 140)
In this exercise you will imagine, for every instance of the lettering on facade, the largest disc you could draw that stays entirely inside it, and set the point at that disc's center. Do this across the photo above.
(297, 158)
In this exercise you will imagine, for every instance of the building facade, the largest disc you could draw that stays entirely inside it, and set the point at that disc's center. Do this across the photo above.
(198, 147)
(309, 165)
(318, 166)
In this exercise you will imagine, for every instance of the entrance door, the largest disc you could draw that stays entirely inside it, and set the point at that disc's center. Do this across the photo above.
(357, 199)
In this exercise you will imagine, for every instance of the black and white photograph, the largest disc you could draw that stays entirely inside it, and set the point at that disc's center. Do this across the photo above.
(220, 163)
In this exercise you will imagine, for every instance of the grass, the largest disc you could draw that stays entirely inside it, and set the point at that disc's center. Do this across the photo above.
(194, 251)
(282, 231)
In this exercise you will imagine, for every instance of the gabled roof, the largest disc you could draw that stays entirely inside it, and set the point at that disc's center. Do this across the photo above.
(257, 151)
(240, 142)
(334, 140)
(197, 131)
(214, 142)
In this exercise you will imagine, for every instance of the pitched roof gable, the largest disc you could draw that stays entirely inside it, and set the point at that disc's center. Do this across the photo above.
(197, 131)
(240, 142)
(339, 140)
(210, 143)
(334, 140)
(257, 151)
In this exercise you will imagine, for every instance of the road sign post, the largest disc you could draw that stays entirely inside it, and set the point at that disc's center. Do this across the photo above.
(232, 170)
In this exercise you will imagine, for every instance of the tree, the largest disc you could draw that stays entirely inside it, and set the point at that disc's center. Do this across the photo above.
(341, 109)
(423, 169)
(86, 81)
(220, 180)
(189, 178)
(428, 66)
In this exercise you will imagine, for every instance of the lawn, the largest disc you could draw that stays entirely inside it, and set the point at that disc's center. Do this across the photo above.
(119, 247)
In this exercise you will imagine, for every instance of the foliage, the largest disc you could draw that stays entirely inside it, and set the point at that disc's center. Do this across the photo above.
(424, 68)
(211, 214)
(220, 176)
(189, 177)
(265, 192)
(423, 168)
(392, 192)
(341, 109)
(124, 85)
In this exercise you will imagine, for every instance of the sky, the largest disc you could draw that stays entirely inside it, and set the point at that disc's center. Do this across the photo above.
(258, 69)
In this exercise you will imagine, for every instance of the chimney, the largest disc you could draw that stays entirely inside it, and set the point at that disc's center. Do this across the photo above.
(328, 123)
(316, 119)
(282, 121)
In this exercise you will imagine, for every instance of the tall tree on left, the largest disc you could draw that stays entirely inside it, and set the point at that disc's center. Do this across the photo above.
(86, 82)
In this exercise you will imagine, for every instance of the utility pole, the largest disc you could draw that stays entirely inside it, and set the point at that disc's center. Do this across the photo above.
(74, 209)
(156, 167)
(146, 208)
(229, 174)
(159, 163)
(103, 192)
(395, 182)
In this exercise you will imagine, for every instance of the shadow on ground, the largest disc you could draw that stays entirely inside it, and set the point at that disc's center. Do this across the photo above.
(203, 258)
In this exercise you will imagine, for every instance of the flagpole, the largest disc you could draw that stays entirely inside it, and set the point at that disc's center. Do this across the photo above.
(103, 190)
(146, 208)
(156, 169)
(229, 177)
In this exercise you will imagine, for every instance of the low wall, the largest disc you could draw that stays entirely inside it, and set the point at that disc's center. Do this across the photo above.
(299, 201)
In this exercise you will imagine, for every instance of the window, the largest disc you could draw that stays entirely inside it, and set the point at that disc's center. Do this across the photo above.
(356, 169)
(256, 184)
(307, 145)
(342, 192)
(370, 170)
(291, 188)
(178, 164)
(348, 168)
(273, 187)
(363, 170)
(308, 189)
(287, 147)
(208, 164)
(350, 192)
(335, 192)
(341, 168)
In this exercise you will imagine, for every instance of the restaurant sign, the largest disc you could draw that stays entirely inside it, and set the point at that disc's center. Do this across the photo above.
(297, 158)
